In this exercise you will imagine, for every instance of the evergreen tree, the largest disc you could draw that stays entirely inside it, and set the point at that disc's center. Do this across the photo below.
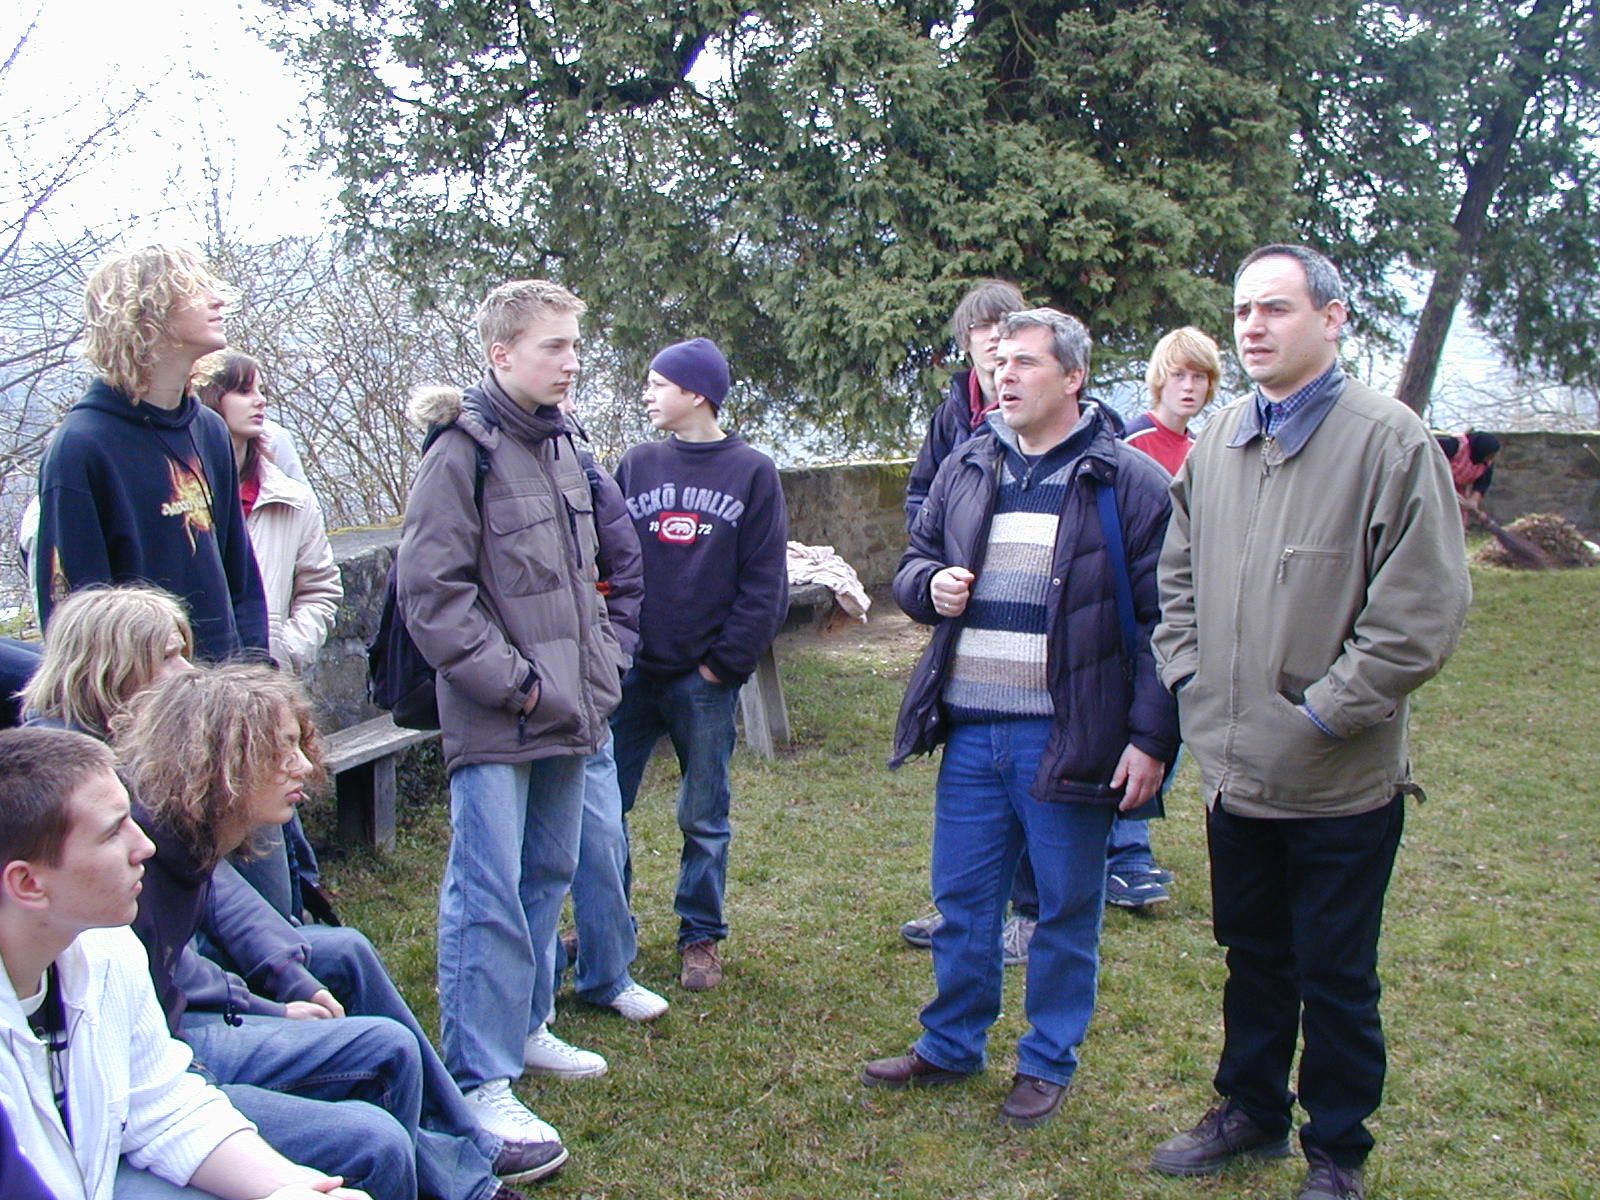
(1459, 135)
(813, 184)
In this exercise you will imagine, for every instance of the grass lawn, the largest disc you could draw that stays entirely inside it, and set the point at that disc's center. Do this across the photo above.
(1491, 961)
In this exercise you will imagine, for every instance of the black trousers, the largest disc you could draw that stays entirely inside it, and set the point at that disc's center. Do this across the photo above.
(1298, 905)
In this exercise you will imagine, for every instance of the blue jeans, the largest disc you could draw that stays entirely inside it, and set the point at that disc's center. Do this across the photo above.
(513, 851)
(983, 816)
(698, 716)
(607, 941)
(1128, 850)
(282, 1074)
(455, 1157)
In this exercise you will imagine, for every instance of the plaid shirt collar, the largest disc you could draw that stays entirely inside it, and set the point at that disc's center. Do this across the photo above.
(1292, 420)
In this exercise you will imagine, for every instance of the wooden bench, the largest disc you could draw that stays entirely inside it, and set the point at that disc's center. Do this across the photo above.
(361, 760)
(761, 703)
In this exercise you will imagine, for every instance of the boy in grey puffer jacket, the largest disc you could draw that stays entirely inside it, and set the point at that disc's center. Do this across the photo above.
(496, 579)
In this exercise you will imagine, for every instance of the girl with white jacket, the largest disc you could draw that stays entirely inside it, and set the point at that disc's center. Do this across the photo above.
(281, 513)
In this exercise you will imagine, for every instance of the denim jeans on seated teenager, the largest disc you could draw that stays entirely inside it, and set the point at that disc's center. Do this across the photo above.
(369, 1141)
(607, 941)
(983, 816)
(513, 851)
(697, 715)
(285, 1076)
(455, 1157)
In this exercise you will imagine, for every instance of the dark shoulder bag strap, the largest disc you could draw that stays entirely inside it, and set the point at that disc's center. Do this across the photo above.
(1122, 585)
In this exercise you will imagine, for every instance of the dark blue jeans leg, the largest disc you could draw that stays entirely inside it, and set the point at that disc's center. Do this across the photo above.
(285, 1072)
(455, 1158)
(1067, 843)
(977, 838)
(351, 1138)
(636, 727)
(699, 716)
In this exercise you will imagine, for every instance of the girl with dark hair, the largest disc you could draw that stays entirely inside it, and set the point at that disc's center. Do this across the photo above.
(1471, 456)
(282, 515)
(297, 573)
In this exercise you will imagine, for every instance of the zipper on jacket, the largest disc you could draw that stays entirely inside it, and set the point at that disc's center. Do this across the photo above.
(1312, 552)
(1238, 616)
(522, 728)
(580, 590)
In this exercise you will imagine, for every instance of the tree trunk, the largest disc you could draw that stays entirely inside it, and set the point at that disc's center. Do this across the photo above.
(1534, 42)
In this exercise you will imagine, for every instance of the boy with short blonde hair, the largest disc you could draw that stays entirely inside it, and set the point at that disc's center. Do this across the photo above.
(496, 577)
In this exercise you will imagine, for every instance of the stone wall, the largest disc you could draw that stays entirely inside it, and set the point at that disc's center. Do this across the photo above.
(339, 680)
(856, 508)
(1548, 472)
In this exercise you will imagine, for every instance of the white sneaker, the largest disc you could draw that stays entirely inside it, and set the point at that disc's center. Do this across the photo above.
(638, 1003)
(502, 1115)
(546, 1054)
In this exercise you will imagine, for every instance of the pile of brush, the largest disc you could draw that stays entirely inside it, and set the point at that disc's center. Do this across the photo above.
(1537, 541)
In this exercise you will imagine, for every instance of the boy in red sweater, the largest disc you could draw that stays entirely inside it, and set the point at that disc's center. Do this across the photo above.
(1185, 368)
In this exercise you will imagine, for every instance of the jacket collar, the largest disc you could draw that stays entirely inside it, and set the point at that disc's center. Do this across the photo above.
(493, 409)
(278, 488)
(1093, 439)
(1297, 430)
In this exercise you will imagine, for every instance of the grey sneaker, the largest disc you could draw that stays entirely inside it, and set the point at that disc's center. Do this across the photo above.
(702, 967)
(1326, 1180)
(919, 931)
(1016, 935)
(528, 1162)
(1223, 1134)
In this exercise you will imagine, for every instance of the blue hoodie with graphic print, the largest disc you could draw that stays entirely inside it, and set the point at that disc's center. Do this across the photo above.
(129, 492)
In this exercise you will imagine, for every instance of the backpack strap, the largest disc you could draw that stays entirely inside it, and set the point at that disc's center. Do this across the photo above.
(1121, 581)
(479, 475)
(1122, 585)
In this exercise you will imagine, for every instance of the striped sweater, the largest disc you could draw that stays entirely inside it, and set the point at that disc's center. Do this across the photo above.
(998, 671)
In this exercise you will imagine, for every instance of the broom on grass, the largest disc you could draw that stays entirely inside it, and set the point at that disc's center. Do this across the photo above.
(1520, 549)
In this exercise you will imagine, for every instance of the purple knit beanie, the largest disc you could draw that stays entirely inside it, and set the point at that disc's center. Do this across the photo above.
(695, 366)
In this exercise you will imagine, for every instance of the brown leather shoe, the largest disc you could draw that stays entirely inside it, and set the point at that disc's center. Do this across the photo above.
(702, 966)
(908, 1071)
(1032, 1102)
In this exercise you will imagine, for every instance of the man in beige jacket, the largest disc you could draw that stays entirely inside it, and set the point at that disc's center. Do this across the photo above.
(1313, 576)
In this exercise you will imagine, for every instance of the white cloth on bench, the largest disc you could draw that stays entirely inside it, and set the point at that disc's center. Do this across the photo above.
(819, 564)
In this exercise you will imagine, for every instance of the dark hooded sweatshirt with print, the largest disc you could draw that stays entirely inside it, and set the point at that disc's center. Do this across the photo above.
(135, 493)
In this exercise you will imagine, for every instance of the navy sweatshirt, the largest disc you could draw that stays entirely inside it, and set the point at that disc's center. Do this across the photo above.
(714, 533)
(135, 493)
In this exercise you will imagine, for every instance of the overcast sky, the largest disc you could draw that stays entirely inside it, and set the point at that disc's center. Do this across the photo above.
(211, 86)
